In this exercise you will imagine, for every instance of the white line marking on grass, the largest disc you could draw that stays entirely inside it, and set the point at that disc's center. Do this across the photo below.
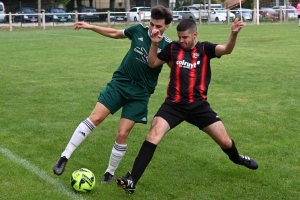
(40, 173)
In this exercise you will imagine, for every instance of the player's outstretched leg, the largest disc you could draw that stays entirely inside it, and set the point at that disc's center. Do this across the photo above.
(126, 183)
(235, 157)
(248, 162)
(59, 167)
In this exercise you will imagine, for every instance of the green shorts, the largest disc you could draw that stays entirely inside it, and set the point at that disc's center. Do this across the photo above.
(128, 95)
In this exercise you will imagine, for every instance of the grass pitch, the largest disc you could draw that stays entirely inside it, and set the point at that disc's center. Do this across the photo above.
(50, 81)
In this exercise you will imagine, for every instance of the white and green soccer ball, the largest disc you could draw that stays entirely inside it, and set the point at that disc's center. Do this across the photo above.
(83, 180)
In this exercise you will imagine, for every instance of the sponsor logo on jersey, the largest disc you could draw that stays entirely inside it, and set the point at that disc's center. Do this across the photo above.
(184, 64)
(144, 119)
(144, 54)
(141, 39)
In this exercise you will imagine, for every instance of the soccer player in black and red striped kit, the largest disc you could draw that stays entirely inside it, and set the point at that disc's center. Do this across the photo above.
(186, 100)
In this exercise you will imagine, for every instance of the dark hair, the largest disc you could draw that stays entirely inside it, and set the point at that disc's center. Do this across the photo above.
(187, 24)
(160, 12)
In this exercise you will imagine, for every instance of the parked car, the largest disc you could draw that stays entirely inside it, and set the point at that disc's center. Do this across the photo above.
(25, 14)
(176, 16)
(192, 13)
(205, 6)
(103, 14)
(118, 15)
(57, 15)
(220, 15)
(291, 10)
(269, 13)
(87, 14)
(145, 13)
(2, 12)
(246, 13)
(115, 14)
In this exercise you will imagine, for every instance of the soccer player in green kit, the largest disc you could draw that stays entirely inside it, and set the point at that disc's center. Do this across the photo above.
(130, 88)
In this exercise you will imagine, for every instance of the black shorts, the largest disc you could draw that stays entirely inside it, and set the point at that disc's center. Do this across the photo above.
(298, 16)
(199, 114)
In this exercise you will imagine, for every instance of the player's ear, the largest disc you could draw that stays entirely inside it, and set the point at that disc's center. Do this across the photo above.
(167, 26)
(196, 33)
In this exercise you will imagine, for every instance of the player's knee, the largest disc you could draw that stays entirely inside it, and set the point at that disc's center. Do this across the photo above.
(155, 136)
(95, 119)
(151, 138)
(121, 137)
(226, 143)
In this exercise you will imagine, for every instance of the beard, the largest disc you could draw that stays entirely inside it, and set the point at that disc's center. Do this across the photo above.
(187, 46)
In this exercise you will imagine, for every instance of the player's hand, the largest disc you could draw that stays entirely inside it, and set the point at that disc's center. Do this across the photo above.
(156, 36)
(79, 25)
(237, 25)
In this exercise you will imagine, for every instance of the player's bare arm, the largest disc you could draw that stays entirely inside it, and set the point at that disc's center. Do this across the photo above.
(108, 32)
(153, 60)
(229, 46)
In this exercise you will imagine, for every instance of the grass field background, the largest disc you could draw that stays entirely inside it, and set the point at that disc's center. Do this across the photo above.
(50, 81)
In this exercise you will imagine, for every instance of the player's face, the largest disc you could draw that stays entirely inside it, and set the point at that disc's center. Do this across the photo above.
(187, 40)
(158, 24)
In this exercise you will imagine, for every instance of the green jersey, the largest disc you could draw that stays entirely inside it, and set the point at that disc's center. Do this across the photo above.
(134, 66)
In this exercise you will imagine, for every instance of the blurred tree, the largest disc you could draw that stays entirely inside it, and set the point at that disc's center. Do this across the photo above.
(70, 6)
(62, 1)
(248, 4)
(191, 2)
(78, 3)
(91, 3)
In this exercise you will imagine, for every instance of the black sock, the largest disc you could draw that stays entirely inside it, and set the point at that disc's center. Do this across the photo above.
(142, 160)
(233, 153)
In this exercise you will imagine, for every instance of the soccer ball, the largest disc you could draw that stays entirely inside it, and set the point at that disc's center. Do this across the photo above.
(83, 180)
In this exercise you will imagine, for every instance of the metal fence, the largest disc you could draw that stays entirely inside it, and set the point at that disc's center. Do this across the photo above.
(40, 19)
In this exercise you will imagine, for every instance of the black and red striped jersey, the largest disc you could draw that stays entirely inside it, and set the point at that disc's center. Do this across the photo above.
(190, 71)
